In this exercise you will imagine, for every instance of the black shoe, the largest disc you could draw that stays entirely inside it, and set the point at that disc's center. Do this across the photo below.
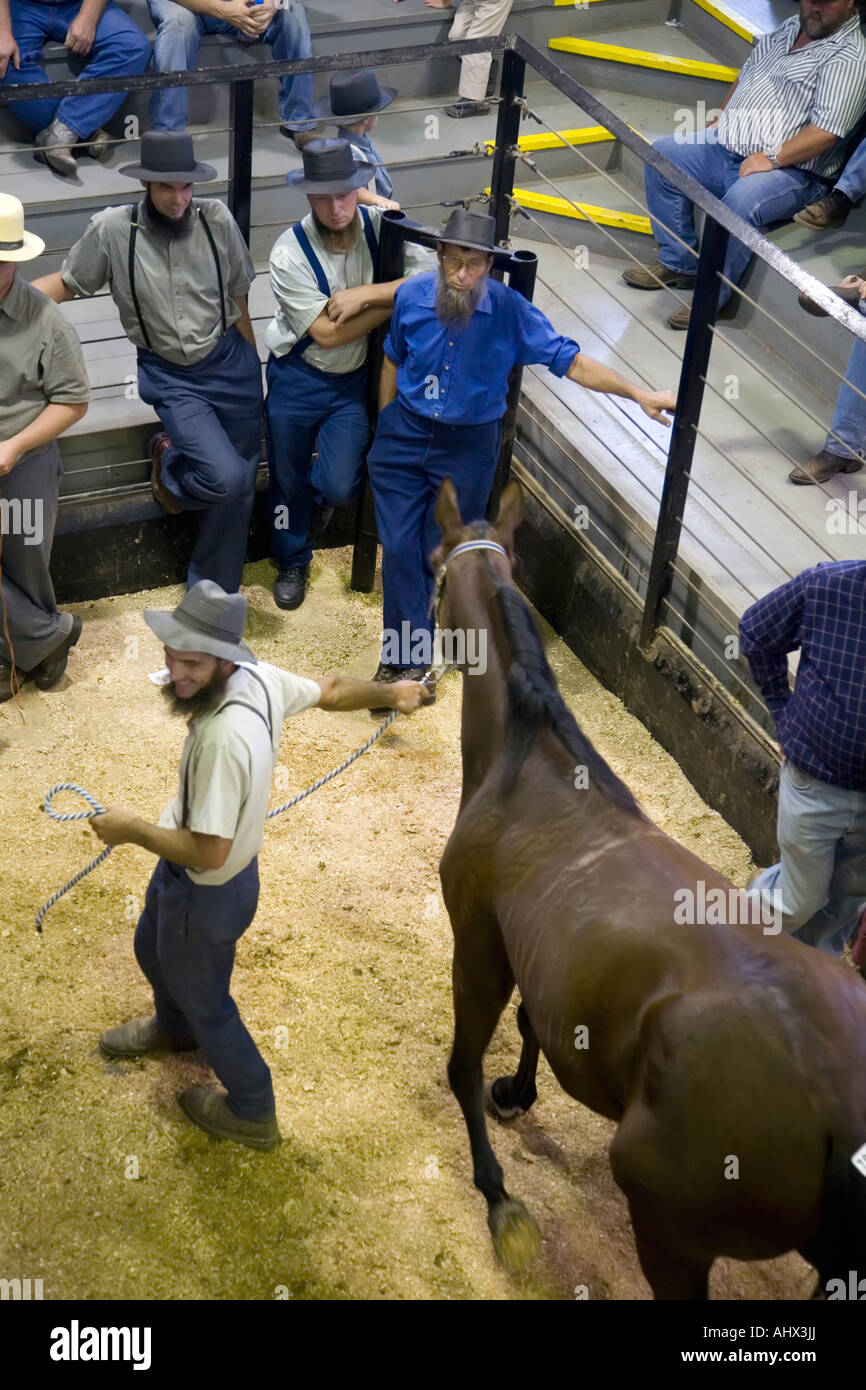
(48, 672)
(387, 675)
(464, 107)
(320, 521)
(290, 589)
(6, 680)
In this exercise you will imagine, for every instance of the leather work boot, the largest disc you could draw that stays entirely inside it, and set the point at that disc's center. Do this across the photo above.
(53, 146)
(301, 137)
(823, 466)
(647, 277)
(6, 680)
(463, 107)
(158, 445)
(387, 675)
(850, 294)
(140, 1036)
(290, 590)
(831, 211)
(209, 1109)
(98, 146)
(46, 675)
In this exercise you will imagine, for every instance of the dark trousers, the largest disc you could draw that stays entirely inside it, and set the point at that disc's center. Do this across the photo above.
(212, 413)
(307, 410)
(409, 458)
(30, 492)
(185, 944)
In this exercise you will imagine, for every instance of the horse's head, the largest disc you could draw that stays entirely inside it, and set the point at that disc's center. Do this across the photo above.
(456, 532)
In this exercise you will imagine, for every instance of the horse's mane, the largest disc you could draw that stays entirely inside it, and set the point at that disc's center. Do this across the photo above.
(534, 703)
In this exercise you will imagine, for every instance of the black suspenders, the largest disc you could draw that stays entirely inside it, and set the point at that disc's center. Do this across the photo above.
(135, 214)
(266, 720)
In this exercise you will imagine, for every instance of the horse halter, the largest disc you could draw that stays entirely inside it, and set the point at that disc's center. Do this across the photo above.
(443, 569)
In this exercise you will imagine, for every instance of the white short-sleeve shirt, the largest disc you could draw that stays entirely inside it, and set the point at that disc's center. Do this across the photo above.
(228, 763)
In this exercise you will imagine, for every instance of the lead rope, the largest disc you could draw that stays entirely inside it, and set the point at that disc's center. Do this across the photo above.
(430, 678)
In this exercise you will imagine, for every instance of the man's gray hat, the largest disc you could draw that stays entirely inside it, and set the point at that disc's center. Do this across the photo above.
(330, 167)
(473, 229)
(207, 619)
(167, 157)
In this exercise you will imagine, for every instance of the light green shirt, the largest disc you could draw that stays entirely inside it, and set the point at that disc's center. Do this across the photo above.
(175, 278)
(228, 763)
(41, 362)
(300, 301)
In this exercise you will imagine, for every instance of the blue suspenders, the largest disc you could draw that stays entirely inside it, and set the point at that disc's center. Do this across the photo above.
(318, 270)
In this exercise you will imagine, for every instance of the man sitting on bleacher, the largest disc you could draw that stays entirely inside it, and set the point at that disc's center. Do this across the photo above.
(776, 146)
(179, 30)
(97, 29)
(179, 272)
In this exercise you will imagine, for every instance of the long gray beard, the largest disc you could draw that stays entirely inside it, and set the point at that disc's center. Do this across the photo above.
(338, 243)
(457, 306)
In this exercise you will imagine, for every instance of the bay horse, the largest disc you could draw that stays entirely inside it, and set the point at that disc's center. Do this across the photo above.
(733, 1060)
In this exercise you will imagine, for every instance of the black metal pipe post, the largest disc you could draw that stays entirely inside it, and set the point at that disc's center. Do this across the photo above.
(241, 156)
(507, 131)
(523, 269)
(699, 339)
(389, 267)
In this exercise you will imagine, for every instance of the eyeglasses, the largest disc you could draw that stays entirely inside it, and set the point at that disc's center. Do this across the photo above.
(474, 264)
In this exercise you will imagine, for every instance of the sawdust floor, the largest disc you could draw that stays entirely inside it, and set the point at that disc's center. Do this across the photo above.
(344, 980)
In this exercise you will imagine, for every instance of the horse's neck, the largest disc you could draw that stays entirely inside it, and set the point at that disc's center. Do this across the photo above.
(484, 697)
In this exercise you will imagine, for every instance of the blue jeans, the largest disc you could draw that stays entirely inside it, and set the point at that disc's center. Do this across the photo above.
(185, 944)
(852, 180)
(305, 411)
(212, 412)
(757, 198)
(119, 49)
(822, 874)
(849, 417)
(409, 458)
(178, 36)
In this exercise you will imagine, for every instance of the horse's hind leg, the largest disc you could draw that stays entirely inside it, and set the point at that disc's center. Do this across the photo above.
(483, 982)
(509, 1096)
(669, 1275)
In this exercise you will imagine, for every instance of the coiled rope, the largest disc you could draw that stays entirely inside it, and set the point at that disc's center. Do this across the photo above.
(430, 679)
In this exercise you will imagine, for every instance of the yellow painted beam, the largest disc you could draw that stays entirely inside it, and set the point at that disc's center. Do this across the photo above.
(585, 135)
(582, 212)
(738, 24)
(639, 57)
(576, 4)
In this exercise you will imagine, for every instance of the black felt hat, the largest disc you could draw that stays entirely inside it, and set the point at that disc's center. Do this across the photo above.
(330, 167)
(474, 229)
(353, 95)
(167, 157)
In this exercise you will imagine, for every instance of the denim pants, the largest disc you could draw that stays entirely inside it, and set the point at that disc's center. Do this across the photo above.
(822, 873)
(852, 180)
(35, 626)
(309, 411)
(119, 49)
(409, 458)
(185, 944)
(758, 198)
(212, 413)
(179, 33)
(849, 417)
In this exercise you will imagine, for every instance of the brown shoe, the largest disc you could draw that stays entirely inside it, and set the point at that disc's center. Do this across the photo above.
(831, 211)
(48, 672)
(208, 1108)
(140, 1036)
(850, 294)
(656, 276)
(158, 445)
(823, 466)
(6, 680)
(301, 137)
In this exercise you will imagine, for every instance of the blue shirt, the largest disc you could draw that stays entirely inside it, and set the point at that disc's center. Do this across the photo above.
(362, 148)
(459, 373)
(822, 725)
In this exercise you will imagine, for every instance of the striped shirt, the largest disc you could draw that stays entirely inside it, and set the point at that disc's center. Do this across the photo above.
(780, 90)
(822, 725)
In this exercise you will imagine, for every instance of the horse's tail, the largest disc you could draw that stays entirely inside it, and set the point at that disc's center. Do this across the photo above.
(839, 1247)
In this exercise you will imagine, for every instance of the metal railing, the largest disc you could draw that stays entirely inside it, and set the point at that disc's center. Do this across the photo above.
(518, 55)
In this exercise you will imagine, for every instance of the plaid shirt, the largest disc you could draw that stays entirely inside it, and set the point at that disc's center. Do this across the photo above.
(822, 725)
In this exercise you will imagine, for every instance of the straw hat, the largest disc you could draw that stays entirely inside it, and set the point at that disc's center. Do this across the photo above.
(15, 243)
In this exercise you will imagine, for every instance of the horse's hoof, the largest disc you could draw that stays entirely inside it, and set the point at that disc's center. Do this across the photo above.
(497, 1112)
(516, 1237)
